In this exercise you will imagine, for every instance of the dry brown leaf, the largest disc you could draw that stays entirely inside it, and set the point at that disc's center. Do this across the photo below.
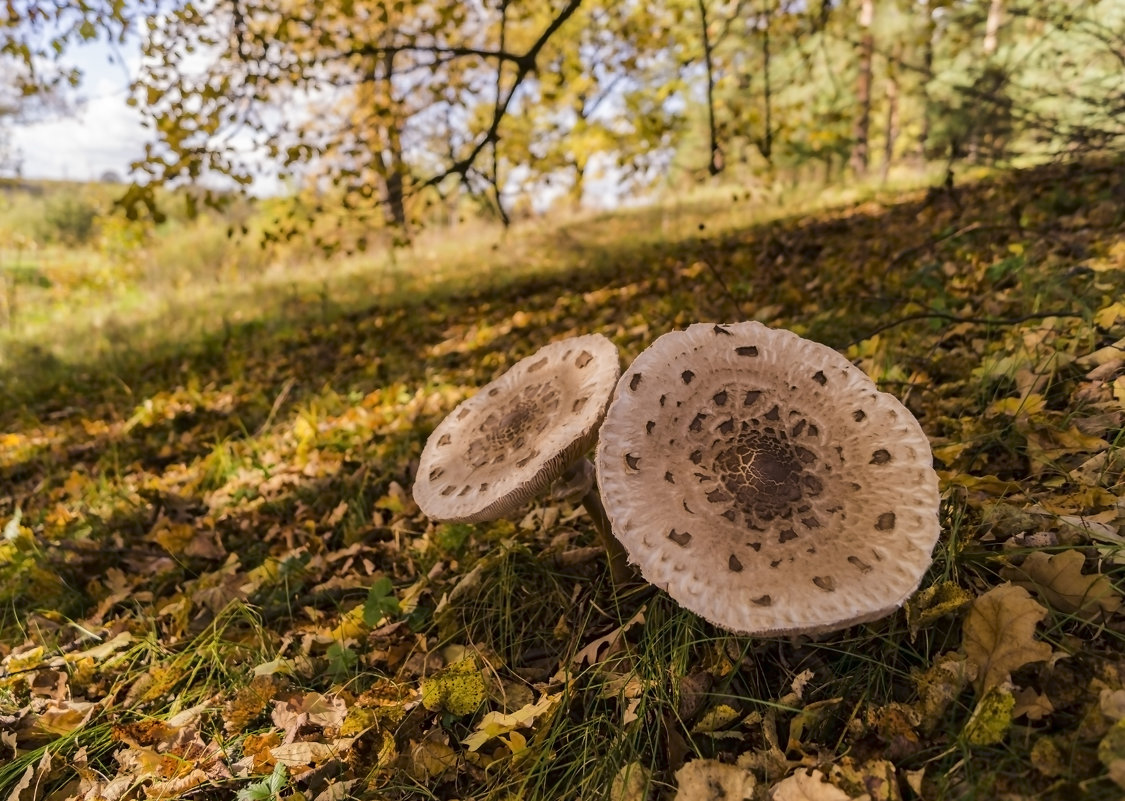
(874, 778)
(1058, 580)
(1032, 703)
(809, 785)
(999, 635)
(631, 783)
(711, 780)
(591, 653)
(33, 781)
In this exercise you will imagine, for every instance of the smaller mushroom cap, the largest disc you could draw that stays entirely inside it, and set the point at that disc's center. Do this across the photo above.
(765, 482)
(510, 440)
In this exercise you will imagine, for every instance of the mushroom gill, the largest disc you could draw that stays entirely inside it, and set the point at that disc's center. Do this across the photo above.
(765, 482)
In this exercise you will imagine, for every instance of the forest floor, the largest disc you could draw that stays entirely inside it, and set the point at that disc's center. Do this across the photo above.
(214, 581)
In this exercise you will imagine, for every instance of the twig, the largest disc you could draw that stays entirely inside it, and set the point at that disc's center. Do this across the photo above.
(280, 399)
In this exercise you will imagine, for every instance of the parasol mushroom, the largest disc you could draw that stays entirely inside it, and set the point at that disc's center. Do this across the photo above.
(765, 483)
(518, 434)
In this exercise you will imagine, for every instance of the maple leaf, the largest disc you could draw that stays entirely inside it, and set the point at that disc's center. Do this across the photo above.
(999, 635)
(1058, 580)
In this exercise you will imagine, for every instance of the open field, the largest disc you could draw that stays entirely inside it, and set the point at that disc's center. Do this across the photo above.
(211, 565)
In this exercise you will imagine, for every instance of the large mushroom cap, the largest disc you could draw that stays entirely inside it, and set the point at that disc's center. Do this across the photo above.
(502, 446)
(765, 482)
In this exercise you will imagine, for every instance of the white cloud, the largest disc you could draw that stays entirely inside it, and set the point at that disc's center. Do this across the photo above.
(103, 134)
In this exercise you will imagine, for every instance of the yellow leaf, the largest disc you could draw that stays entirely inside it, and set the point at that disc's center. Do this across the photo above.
(1058, 580)
(459, 689)
(173, 537)
(351, 625)
(1119, 389)
(992, 717)
(1108, 317)
(1018, 407)
(495, 724)
(948, 454)
(999, 635)
(1048, 758)
(933, 603)
(716, 718)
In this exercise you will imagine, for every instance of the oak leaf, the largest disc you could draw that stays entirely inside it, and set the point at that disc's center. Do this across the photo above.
(1032, 703)
(1058, 580)
(807, 785)
(999, 635)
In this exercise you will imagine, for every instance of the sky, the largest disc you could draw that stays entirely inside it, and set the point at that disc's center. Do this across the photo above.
(102, 135)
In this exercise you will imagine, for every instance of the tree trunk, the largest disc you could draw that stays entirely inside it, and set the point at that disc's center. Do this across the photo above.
(992, 26)
(860, 147)
(715, 165)
(892, 111)
(927, 75)
(766, 146)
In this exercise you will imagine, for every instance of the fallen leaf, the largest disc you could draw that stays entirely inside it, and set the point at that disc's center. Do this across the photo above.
(1048, 758)
(933, 603)
(874, 779)
(459, 689)
(33, 779)
(495, 724)
(1058, 580)
(1032, 704)
(808, 785)
(711, 780)
(1112, 703)
(991, 718)
(999, 635)
(304, 754)
(631, 783)
(591, 653)
(715, 719)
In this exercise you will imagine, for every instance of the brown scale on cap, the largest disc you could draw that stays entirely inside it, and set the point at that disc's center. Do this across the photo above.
(765, 482)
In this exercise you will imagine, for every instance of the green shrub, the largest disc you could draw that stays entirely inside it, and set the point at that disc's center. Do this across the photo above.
(69, 219)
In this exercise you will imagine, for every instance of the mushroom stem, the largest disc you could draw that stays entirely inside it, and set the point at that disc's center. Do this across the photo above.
(619, 569)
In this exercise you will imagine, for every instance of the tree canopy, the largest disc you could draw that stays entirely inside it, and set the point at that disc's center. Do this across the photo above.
(388, 105)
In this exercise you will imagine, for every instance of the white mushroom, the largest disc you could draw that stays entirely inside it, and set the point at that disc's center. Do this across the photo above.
(765, 483)
(504, 445)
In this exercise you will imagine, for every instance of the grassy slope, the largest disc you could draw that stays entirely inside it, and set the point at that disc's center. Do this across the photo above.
(225, 504)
